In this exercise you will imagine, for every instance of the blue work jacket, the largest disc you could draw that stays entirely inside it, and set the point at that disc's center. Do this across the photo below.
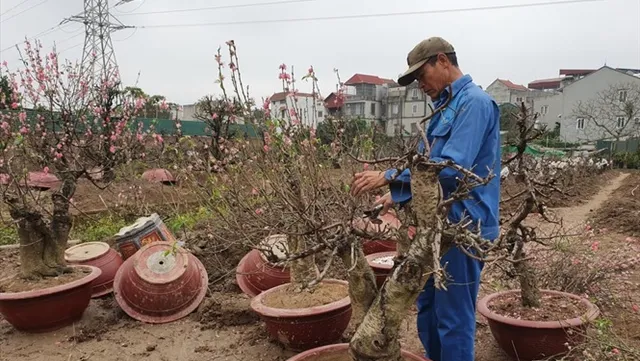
(467, 132)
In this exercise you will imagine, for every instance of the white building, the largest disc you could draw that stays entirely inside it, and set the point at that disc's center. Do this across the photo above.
(506, 92)
(366, 97)
(308, 108)
(406, 107)
(561, 106)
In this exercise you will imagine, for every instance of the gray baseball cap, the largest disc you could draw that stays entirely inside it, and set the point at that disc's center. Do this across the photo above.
(419, 55)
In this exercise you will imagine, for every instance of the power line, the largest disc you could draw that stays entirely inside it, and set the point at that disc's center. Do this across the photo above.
(25, 10)
(218, 7)
(16, 6)
(362, 16)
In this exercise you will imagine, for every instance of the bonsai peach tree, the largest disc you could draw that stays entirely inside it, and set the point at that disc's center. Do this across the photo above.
(288, 186)
(63, 122)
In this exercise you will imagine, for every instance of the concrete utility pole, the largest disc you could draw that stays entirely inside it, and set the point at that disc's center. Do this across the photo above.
(98, 57)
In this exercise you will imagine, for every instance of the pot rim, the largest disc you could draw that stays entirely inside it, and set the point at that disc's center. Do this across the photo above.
(591, 314)
(242, 282)
(137, 315)
(343, 347)
(259, 307)
(84, 244)
(372, 256)
(12, 296)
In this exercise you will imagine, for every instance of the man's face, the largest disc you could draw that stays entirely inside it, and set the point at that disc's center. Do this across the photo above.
(432, 78)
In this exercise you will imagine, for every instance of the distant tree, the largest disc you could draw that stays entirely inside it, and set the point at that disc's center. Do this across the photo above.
(612, 114)
(5, 92)
(218, 115)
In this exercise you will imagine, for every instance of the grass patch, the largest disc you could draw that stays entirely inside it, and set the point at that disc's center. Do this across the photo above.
(8, 235)
(99, 231)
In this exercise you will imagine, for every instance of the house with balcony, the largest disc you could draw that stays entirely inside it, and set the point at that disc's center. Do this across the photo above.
(561, 104)
(406, 107)
(366, 97)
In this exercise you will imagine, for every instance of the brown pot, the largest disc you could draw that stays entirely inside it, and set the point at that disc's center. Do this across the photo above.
(304, 328)
(533, 340)
(381, 271)
(51, 308)
(97, 254)
(255, 274)
(160, 283)
(331, 352)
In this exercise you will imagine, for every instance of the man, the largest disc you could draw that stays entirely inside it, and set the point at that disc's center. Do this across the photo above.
(466, 131)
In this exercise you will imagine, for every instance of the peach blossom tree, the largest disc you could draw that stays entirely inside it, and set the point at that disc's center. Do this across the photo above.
(62, 124)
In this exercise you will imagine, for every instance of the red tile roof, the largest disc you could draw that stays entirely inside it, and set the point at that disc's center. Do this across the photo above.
(333, 102)
(276, 97)
(368, 79)
(513, 86)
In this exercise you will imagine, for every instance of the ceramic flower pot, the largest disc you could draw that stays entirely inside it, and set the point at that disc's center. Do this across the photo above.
(340, 352)
(97, 254)
(532, 340)
(381, 263)
(256, 274)
(390, 221)
(159, 175)
(160, 283)
(51, 308)
(304, 328)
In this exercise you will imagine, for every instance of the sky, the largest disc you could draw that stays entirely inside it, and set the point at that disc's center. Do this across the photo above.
(494, 40)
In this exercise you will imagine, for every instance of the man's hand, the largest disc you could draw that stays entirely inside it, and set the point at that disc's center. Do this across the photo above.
(367, 181)
(386, 202)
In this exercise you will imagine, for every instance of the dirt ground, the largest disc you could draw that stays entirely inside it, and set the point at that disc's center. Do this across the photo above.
(224, 329)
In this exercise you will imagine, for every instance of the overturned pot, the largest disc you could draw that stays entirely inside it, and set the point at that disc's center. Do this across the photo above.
(97, 254)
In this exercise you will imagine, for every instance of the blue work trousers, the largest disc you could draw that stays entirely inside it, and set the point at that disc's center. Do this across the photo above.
(447, 318)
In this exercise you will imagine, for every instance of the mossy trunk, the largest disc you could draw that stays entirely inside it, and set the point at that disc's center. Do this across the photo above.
(377, 337)
(42, 245)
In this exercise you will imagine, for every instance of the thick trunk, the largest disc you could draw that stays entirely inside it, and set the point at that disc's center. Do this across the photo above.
(377, 338)
(362, 282)
(303, 270)
(42, 246)
(39, 254)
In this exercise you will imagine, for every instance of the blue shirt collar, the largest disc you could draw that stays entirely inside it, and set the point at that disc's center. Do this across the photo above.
(456, 86)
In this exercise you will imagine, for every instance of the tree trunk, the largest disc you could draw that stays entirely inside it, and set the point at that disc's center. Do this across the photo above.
(42, 246)
(303, 270)
(529, 291)
(362, 282)
(377, 338)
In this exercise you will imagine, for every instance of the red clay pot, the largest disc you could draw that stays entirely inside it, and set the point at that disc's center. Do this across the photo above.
(97, 254)
(49, 309)
(329, 351)
(381, 271)
(255, 274)
(304, 328)
(376, 246)
(533, 340)
(160, 283)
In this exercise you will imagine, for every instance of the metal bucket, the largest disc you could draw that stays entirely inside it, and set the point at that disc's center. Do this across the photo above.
(144, 231)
